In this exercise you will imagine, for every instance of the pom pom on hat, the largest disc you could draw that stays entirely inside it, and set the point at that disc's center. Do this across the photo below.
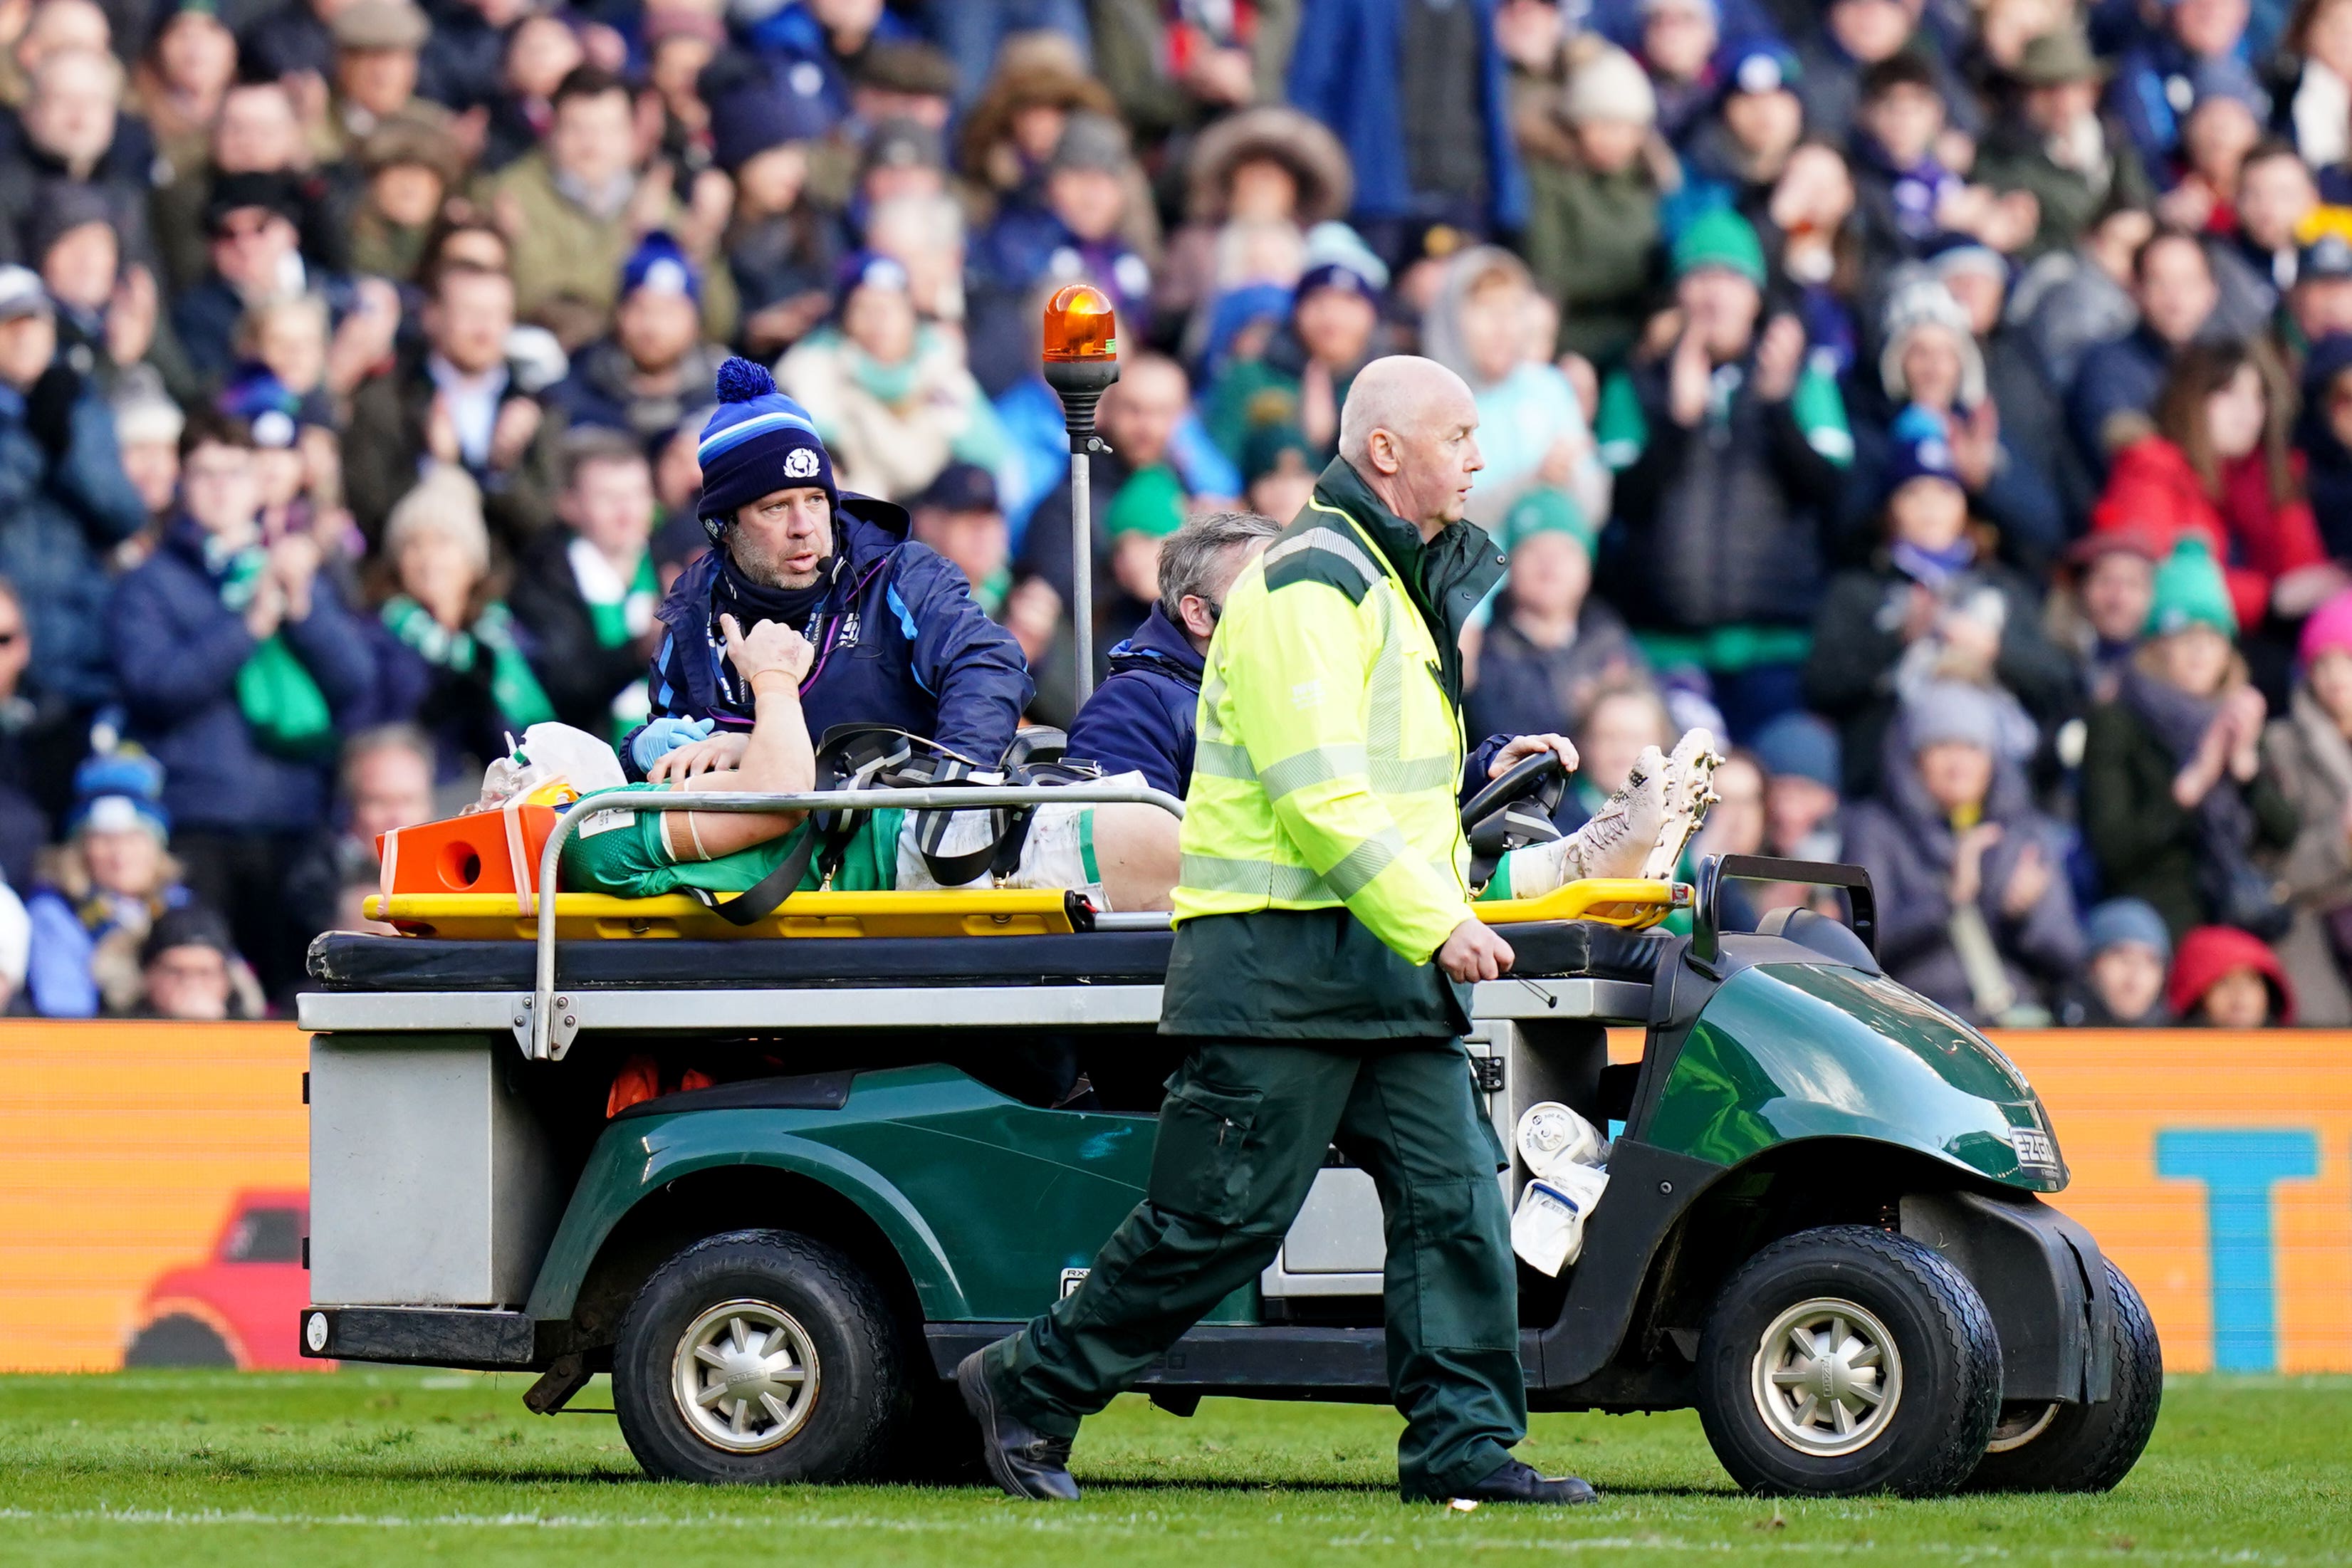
(741, 380)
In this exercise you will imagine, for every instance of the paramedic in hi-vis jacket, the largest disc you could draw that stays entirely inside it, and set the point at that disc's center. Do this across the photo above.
(1325, 948)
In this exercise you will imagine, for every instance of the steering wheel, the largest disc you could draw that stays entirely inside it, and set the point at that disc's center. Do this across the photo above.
(1541, 779)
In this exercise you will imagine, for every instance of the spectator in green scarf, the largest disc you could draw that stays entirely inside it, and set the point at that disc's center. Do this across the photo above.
(451, 656)
(585, 593)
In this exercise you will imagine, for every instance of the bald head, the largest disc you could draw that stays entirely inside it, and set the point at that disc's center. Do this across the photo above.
(1410, 430)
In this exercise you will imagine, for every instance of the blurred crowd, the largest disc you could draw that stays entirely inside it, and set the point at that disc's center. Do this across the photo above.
(1950, 401)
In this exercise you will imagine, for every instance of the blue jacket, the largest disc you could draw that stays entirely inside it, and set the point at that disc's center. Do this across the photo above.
(178, 651)
(1142, 717)
(2126, 375)
(899, 642)
(59, 512)
(1343, 71)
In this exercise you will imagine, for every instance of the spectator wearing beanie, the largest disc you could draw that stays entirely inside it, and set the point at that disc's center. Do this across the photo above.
(890, 394)
(1930, 608)
(99, 890)
(451, 658)
(654, 368)
(1742, 148)
(1728, 450)
(1549, 645)
(63, 497)
(898, 639)
(1975, 910)
(2225, 979)
(2177, 798)
(783, 247)
(189, 970)
(241, 668)
(1302, 376)
(1931, 362)
(1802, 776)
(2309, 751)
(2121, 982)
(1592, 213)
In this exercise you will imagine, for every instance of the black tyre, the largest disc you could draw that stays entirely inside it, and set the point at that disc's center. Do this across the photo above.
(755, 1356)
(1849, 1360)
(2084, 1447)
(178, 1339)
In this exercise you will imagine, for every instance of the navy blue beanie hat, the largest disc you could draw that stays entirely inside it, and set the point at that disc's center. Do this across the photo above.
(1920, 452)
(756, 442)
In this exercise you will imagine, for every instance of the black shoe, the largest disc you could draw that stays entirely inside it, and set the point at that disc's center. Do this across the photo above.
(1513, 1482)
(1025, 1463)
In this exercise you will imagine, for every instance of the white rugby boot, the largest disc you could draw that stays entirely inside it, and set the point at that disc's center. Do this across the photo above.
(1614, 842)
(1689, 790)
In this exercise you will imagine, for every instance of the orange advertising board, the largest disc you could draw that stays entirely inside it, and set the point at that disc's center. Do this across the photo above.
(152, 1185)
(147, 1171)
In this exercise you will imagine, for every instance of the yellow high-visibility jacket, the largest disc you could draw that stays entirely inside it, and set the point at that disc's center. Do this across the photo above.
(1330, 745)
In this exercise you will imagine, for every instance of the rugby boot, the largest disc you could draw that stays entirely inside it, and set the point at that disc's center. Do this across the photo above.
(1512, 1481)
(1024, 1461)
(1612, 842)
(1689, 790)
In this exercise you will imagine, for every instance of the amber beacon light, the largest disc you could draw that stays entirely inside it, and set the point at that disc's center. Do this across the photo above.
(1081, 361)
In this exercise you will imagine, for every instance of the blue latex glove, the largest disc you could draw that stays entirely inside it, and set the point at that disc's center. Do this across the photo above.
(660, 737)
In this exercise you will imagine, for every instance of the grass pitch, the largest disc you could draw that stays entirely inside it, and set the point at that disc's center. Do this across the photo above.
(403, 1466)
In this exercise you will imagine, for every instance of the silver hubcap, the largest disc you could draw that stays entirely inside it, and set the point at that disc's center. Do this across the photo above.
(2019, 1425)
(1827, 1377)
(746, 1376)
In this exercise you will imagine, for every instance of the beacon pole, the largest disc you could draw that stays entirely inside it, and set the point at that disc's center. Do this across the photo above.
(1081, 361)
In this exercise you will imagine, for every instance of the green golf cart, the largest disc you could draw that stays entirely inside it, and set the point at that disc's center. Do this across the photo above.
(1826, 1224)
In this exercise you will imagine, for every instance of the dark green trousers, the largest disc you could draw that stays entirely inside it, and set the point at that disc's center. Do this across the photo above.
(1242, 1133)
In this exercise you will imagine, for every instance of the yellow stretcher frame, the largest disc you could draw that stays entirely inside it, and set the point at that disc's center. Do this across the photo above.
(495, 917)
(1634, 903)
(1629, 902)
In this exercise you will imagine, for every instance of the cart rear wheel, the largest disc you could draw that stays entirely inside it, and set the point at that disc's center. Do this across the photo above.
(758, 1355)
(2084, 1447)
(1849, 1360)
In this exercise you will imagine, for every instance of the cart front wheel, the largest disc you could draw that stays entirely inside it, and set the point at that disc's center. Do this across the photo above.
(756, 1357)
(1849, 1360)
(2084, 1447)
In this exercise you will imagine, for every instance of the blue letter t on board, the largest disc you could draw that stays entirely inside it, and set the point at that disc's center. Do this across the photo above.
(2239, 1167)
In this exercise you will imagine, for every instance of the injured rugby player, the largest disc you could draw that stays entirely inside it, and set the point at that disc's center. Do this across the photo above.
(1119, 857)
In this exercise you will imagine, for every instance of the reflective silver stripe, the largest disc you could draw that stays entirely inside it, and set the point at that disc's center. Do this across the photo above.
(1316, 764)
(1365, 861)
(1216, 874)
(1213, 692)
(1412, 775)
(1330, 538)
(1219, 759)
